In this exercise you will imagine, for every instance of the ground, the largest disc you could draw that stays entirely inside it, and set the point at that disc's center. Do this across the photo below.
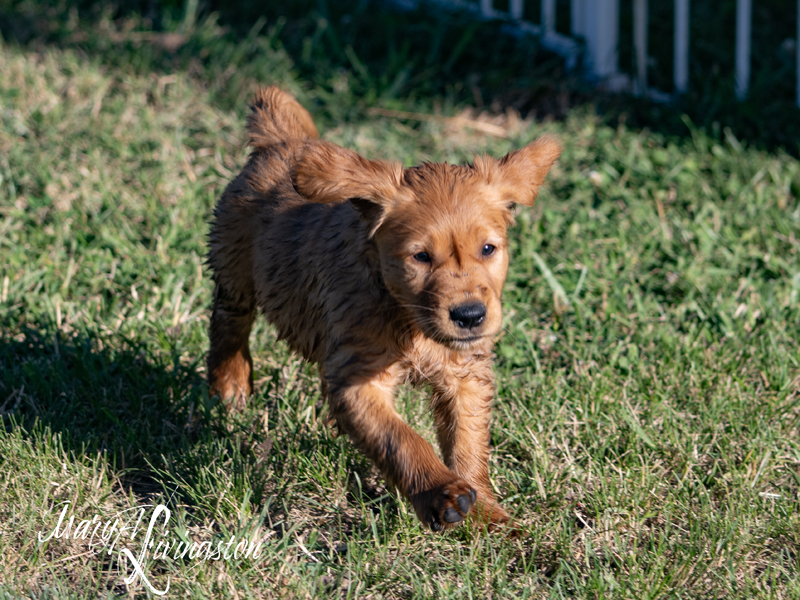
(646, 420)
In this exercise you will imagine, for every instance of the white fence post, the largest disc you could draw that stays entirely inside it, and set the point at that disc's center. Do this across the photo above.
(516, 8)
(548, 16)
(681, 46)
(744, 13)
(601, 31)
(576, 17)
(640, 45)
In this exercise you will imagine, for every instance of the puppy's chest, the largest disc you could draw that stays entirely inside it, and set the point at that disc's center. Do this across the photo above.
(428, 363)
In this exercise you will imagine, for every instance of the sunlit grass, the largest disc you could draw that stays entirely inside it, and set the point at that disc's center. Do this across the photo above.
(646, 421)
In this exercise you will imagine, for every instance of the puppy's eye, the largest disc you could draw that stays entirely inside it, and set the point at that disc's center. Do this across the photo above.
(488, 249)
(422, 257)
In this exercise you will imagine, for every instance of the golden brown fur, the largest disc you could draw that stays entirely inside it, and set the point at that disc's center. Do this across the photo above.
(379, 274)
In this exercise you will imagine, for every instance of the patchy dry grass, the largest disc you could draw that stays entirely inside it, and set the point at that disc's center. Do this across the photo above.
(647, 416)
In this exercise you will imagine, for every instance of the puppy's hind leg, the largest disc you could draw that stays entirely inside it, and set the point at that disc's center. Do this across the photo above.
(230, 367)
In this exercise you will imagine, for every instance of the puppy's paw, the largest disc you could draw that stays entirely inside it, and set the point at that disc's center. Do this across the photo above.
(233, 397)
(492, 516)
(445, 505)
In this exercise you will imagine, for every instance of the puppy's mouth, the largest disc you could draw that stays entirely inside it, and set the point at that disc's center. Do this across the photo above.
(463, 340)
(466, 342)
(443, 333)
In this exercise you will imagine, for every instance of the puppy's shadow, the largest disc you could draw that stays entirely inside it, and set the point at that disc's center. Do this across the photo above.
(103, 397)
(152, 417)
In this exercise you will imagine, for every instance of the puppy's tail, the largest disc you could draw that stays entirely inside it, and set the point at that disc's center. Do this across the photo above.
(278, 117)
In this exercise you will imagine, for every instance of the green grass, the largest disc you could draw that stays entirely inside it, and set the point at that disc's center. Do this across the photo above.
(646, 421)
(363, 53)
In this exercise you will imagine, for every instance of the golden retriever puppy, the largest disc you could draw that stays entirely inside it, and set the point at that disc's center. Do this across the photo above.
(380, 275)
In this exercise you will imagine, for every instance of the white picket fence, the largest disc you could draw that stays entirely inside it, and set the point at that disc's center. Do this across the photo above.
(596, 22)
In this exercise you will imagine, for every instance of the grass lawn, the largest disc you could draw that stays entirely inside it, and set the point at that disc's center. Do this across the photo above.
(646, 421)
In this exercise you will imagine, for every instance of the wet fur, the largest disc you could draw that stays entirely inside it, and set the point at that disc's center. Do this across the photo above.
(327, 244)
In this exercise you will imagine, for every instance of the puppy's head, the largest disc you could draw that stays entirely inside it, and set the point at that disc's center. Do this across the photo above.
(440, 229)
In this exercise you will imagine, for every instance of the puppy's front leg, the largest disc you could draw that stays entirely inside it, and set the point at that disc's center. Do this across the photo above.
(462, 413)
(364, 410)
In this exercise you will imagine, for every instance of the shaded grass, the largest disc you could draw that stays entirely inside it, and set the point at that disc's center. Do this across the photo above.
(362, 53)
(647, 410)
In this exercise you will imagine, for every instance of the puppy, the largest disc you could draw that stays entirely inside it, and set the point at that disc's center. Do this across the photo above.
(380, 275)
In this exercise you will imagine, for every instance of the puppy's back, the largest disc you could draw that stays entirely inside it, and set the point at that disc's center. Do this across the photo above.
(279, 127)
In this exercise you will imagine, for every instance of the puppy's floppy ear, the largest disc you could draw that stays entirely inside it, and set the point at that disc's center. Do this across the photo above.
(518, 175)
(329, 173)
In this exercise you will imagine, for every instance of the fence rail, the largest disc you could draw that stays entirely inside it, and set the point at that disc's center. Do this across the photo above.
(596, 23)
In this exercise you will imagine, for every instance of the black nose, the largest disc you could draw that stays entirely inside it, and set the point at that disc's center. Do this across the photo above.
(468, 315)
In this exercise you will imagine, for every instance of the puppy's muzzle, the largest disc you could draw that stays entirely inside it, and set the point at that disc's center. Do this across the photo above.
(468, 315)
